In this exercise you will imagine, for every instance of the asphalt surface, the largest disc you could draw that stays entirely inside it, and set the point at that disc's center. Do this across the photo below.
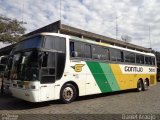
(124, 102)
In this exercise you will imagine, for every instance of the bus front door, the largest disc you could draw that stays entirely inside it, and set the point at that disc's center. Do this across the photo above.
(48, 76)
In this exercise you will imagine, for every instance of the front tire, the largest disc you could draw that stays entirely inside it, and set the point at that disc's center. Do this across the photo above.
(68, 93)
(139, 86)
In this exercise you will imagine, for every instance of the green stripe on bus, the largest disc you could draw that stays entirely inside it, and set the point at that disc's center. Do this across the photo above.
(110, 76)
(99, 76)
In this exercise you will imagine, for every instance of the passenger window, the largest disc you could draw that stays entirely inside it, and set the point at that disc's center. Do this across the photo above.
(87, 51)
(129, 57)
(153, 61)
(105, 55)
(72, 49)
(77, 49)
(116, 55)
(100, 53)
(96, 52)
(113, 55)
(139, 59)
(80, 50)
(122, 56)
(148, 60)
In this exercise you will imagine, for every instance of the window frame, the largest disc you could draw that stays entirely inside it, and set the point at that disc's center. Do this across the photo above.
(141, 56)
(119, 55)
(121, 52)
(128, 53)
(102, 49)
(54, 49)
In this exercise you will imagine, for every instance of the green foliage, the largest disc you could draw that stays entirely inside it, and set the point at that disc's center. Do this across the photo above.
(11, 30)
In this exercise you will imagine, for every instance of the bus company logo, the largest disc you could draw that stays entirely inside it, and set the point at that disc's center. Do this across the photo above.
(133, 69)
(77, 67)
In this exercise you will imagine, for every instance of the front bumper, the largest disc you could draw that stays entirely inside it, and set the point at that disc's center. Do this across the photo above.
(25, 94)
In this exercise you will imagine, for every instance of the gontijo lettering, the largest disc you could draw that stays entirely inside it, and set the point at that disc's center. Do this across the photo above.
(133, 69)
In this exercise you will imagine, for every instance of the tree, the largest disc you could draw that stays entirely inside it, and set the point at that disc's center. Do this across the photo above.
(11, 30)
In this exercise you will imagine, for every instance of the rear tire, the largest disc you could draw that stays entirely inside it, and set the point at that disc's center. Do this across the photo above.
(139, 86)
(145, 85)
(68, 93)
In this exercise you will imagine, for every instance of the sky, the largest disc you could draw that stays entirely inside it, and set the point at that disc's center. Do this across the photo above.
(138, 19)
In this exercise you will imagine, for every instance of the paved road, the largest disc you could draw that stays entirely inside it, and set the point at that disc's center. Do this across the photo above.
(126, 102)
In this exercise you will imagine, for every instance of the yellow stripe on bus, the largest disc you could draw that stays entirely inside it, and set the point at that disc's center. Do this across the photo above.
(129, 81)
(103, 44)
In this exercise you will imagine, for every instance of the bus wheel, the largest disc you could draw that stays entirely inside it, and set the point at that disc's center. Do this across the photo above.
(68, 93)
(139, 86)
(145, 85)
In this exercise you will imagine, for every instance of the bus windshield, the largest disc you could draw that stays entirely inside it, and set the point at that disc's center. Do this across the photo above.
(25, 66)
(38, 58)
(29, 43)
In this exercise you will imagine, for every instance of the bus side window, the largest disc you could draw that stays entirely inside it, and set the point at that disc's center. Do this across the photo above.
(88, 51)
(129, 57)
(105, 55)
(72, 49)
(148, 60)
(100, 53)
(77, 49)
(142, 59)
(113, 55)
(153, 61)
(117, 55)
(122, 56)
(138, 59)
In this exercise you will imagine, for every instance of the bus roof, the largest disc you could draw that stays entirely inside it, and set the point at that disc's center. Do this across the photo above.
(94, 42)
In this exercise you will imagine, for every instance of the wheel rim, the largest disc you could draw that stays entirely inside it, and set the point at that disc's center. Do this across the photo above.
(145, 85)
(68, 93)
(140, 86)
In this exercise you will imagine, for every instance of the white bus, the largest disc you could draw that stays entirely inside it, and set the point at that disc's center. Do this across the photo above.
(51, 66)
